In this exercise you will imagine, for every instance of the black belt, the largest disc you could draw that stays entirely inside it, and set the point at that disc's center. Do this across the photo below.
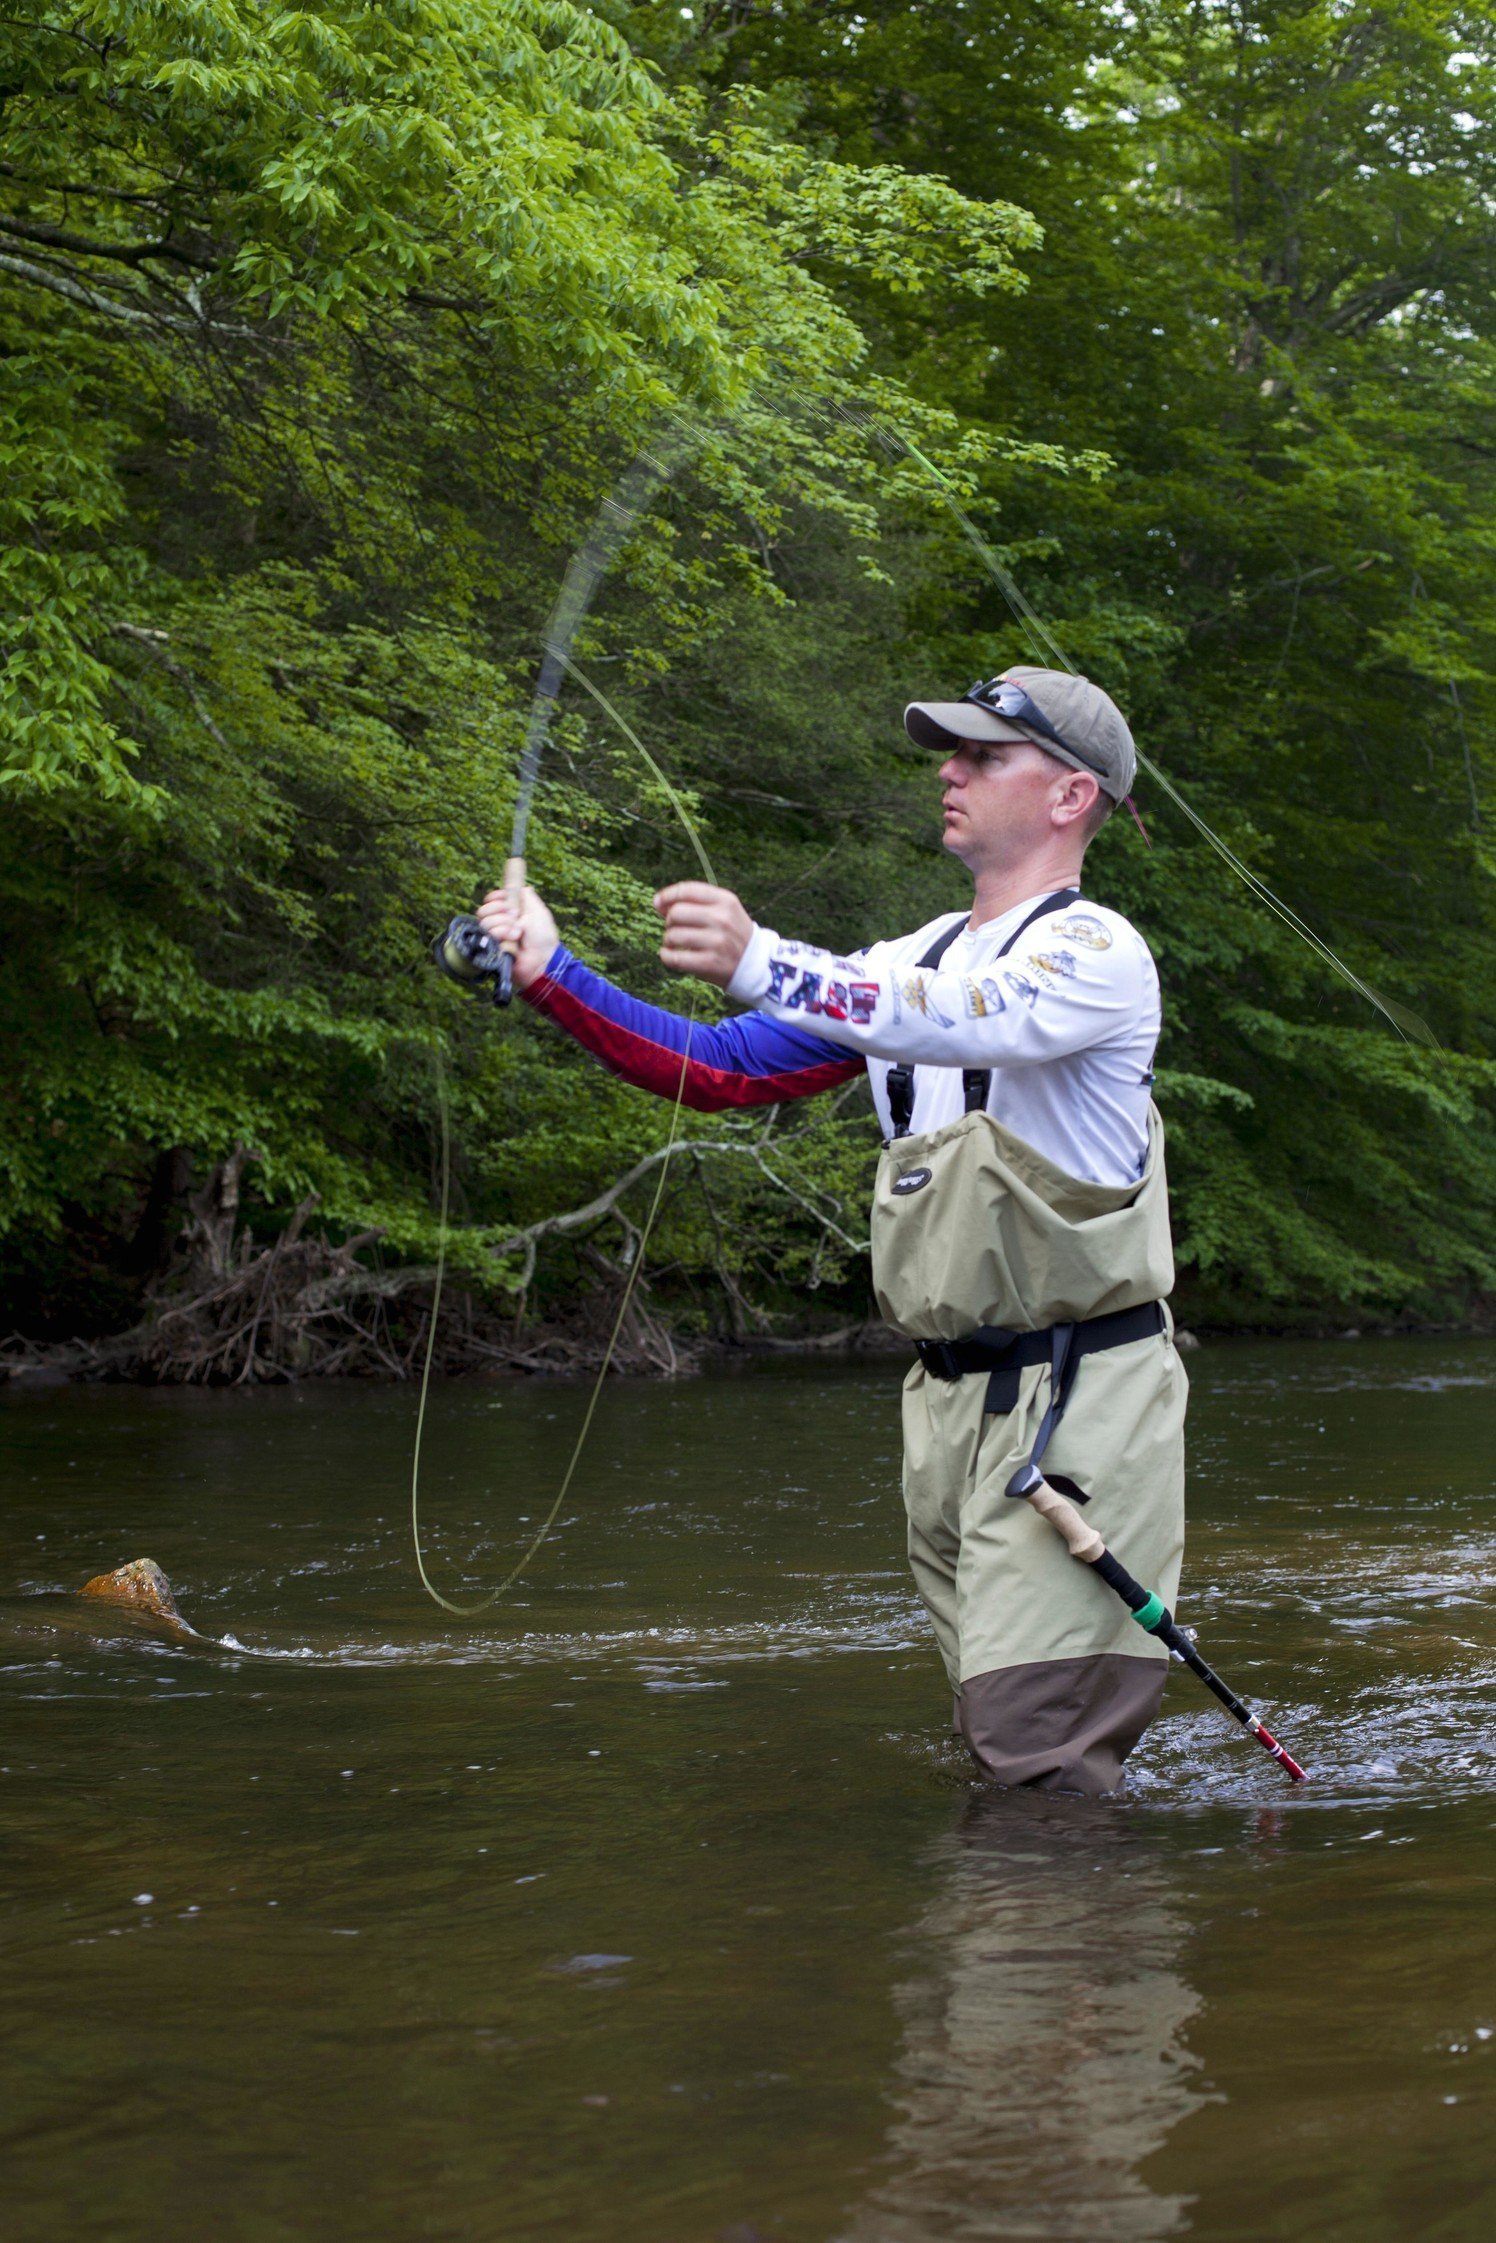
(1002, 1354)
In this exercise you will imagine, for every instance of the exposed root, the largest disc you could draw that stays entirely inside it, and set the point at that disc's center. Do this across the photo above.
(232, 1310)
(235, 1312)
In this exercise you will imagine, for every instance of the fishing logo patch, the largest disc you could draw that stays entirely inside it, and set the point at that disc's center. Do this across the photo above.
(1088, 932)
(801, 990)
(914, 991)
(983, 997)
(912, 1180)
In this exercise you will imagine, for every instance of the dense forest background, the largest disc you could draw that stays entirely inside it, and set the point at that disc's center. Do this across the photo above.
(324, 330)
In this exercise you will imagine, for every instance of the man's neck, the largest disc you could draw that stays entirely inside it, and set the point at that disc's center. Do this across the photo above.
(999, 890)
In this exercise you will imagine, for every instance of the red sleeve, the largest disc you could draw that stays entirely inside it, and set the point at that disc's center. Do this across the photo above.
(749, 1060)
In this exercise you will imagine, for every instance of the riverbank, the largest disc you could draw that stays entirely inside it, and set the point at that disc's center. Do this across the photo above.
(475, 1344)
(466, 1347)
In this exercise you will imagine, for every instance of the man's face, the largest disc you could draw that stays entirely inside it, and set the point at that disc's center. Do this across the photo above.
(997, 801)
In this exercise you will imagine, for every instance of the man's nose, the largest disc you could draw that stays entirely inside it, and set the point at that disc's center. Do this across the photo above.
(953, 772)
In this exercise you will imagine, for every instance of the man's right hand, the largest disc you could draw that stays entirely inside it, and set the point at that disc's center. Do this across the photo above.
(530, 927)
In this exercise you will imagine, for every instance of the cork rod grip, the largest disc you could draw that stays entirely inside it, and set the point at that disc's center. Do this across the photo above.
(514, 888)
(1081, 1541)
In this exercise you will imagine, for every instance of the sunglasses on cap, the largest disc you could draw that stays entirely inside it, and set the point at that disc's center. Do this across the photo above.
(1001, 697)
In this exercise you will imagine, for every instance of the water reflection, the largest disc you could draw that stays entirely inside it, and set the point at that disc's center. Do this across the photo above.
(1043, 2056)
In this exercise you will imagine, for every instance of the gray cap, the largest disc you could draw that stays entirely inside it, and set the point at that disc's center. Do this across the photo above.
(1093, 734)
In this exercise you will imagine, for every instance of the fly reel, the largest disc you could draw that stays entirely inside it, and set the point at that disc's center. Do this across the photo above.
(473, 959)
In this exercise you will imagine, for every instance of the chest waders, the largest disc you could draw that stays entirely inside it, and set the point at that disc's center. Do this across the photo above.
(1036, 1304)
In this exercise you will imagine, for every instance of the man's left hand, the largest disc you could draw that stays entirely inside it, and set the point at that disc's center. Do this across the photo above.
(706, 930)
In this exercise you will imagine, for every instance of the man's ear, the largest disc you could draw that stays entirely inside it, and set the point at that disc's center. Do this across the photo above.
(1076, 797)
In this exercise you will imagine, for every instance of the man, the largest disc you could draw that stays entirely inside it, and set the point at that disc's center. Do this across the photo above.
(1020, 1225)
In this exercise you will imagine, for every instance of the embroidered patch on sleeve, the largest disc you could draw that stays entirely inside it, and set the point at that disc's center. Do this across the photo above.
(983, 997)
(803, 991)
(1090, 933)
(915, 989)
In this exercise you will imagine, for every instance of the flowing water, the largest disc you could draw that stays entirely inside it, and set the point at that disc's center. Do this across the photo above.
(653, 1906)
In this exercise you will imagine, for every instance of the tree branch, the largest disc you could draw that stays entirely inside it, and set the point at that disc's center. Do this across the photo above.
(390, 1283)
(125, 253)
(76, 292)
(151, 642)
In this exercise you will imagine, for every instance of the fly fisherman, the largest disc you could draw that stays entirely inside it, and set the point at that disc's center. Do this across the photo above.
(1020, 1225)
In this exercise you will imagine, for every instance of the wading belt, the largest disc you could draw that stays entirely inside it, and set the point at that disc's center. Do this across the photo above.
(976, 1082)
(1002, 1355)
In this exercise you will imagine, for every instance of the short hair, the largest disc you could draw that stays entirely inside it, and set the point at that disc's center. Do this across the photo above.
(1100, 810)
(1096, 817)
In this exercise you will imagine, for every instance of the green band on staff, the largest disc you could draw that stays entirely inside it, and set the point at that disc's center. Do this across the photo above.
(1149, 1615)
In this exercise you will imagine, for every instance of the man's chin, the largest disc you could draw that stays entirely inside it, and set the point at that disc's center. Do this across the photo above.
(953, 842)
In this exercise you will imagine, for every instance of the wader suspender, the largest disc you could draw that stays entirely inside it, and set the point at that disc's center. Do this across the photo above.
(1003, 1354)
(976, 1082)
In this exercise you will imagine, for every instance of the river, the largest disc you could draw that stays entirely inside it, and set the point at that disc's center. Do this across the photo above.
(652, 1905)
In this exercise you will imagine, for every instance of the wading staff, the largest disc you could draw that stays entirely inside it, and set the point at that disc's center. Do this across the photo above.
(1148, 1610)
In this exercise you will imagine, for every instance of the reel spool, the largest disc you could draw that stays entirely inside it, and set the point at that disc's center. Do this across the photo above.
(473, 959)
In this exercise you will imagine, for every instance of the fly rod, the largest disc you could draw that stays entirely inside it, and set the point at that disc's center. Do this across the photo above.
(463, 951)
(1149, 1610)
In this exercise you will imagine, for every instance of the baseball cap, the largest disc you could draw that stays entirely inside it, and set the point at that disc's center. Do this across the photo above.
(1066, 716)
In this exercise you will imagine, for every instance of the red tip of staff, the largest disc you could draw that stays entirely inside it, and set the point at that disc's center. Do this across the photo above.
(1137, 821)
(1280, 1753)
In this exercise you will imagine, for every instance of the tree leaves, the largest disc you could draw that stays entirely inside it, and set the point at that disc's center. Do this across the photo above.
(324, 330)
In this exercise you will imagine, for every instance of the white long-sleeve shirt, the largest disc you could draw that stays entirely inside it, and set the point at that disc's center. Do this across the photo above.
(1067, 1023)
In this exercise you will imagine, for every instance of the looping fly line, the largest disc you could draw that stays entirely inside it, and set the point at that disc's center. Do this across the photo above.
(616, 518)
(467, 1609)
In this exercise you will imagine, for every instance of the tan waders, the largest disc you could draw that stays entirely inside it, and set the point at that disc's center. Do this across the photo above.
(982, 1251)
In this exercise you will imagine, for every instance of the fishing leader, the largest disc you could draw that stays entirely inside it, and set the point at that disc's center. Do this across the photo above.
(1020, 1225)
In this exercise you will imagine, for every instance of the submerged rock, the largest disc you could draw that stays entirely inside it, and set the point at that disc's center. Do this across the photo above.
(140, 1583)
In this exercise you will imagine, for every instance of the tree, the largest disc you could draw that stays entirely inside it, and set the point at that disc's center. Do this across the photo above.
(324, 331)
(1264, 294)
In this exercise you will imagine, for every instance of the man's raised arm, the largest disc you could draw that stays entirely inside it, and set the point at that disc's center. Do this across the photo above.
(748, 1061)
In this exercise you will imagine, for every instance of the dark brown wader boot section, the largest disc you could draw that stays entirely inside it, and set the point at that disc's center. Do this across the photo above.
(1060, 1724)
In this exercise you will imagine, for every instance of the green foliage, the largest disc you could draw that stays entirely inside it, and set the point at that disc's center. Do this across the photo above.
(1264, 295)
(324, 330)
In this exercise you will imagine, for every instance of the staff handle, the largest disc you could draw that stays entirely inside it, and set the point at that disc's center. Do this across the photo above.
(1149, 1610)
(1080, 1540)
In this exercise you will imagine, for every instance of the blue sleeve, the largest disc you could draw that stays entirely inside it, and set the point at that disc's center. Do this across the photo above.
(749, 1060)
